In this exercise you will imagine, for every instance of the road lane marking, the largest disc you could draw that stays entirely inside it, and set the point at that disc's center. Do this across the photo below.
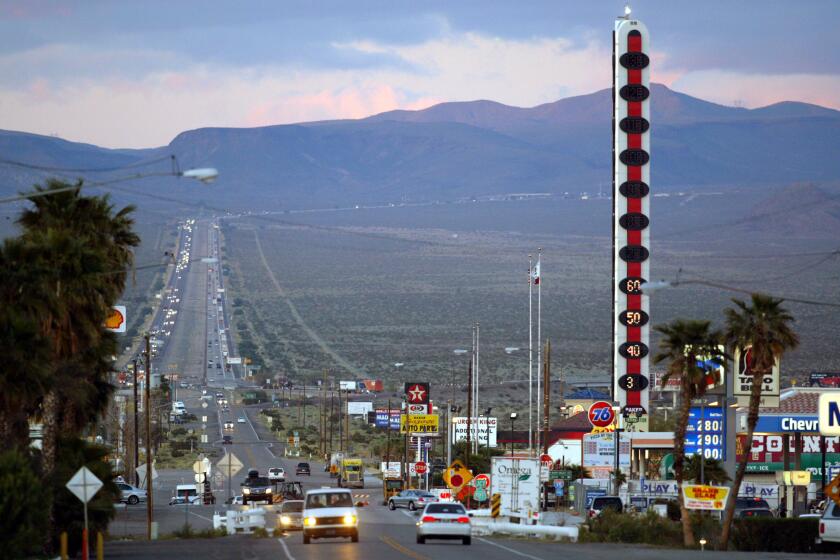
(511, 550)
(408, 514)
(286, 549)
(201, 516)
(400, 548)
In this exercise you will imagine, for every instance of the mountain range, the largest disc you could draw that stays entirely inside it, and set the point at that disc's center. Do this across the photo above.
(466, 149)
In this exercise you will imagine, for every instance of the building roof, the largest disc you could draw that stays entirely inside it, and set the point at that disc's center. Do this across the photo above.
(798, 400)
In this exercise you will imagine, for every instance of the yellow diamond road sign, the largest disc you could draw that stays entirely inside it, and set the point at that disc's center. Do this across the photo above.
(456, 476)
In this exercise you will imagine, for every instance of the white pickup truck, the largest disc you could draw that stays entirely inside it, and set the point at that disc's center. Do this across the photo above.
(830, 524)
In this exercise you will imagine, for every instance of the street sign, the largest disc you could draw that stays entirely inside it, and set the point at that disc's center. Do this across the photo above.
(601, 414)
(229, 465)
(710, 498)
(84, 484)
(141, 471)
(546, 459)
(833, 490)
(456, 476)
(829, 414)
(482, 487)
(198, 467)
(199, 478)
(115, 321)
(420, 467)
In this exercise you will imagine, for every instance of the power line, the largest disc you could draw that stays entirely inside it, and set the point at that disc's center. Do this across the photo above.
(36, 167)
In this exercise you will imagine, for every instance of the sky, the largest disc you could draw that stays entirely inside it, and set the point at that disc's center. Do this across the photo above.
(135, 74)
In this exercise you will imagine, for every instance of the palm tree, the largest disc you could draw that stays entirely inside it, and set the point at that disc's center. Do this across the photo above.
(764, 327)
(89, 248)
(713, 471)
(684, 344)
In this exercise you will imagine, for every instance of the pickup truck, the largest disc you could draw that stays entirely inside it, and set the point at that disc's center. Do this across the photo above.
(830, 524)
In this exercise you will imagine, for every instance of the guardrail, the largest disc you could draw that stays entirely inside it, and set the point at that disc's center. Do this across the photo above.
(486, 526)
(243, 521)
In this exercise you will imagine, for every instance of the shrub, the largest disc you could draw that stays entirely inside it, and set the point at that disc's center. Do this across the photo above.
(614, 527)
(770, 534)
(22, 500)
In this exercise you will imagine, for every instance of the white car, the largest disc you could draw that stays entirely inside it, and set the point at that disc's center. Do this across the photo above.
(276, 474)
(241, 419)
(329, 512)
(447, 520)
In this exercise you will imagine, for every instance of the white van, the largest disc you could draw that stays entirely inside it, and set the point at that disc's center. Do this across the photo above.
(178, 408)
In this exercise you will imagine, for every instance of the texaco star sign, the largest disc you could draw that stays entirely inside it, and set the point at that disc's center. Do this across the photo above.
(417, 393)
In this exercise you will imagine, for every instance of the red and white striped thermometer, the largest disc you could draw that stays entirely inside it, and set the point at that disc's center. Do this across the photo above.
(631, 228)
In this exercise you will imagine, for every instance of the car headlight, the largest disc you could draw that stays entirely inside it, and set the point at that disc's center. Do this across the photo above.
(311, 521)
(268, 490)
(349, 519)
(285, 520)
(246, 490)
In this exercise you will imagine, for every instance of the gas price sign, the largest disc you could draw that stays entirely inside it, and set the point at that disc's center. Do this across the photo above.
(706, 432)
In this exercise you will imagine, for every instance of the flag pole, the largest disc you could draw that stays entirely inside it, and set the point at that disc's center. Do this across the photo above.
(538, 280)
(530, 361)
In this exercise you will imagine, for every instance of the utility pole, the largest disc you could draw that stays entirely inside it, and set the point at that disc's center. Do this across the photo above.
(323, 425)
(332, 413)
(136, 429)
(388, 432)
(340, 422)
(469, 417)
(149, 460)
(448, 435)
(546, 393)
(304, 407)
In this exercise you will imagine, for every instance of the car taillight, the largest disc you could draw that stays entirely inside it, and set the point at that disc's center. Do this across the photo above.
(428, 519)
(822, 528)
(463, 520)
(420, 500)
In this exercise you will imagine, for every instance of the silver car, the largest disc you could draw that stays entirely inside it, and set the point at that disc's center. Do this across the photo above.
(412, 499)
(290, 516)
(445, 520)
(131, 494)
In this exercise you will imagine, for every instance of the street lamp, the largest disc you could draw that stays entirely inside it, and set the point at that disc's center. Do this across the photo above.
(513, 416)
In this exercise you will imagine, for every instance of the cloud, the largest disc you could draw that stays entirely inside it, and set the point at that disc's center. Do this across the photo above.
(758, 90)
(109, 107)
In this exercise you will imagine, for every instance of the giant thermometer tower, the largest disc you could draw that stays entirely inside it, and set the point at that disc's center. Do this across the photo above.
(631, 222)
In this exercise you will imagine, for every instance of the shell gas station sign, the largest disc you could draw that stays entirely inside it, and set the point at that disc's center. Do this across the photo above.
(116, 319)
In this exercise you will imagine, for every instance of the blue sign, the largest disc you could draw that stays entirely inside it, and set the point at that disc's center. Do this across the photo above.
(706, 432)
(592, 493)
(806, 423)
(382, 419)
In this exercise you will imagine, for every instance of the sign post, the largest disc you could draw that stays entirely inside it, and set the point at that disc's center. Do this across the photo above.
(84, 485)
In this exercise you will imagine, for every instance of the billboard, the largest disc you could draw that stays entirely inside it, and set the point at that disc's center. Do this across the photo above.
(416, 393)
(482, 429)
(359, 408)
(631, 211)
(767, 454)
(426, 424)
(382, 418)
(348, 386)
(518, 482)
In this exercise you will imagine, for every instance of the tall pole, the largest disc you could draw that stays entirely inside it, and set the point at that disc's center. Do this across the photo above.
(149, 459)
(475, 400)
(136, 429)
(449, 435)
(530, 360)
(332, 413)
(538, 282)
(388, 435)
(546, 394)
(469, 416)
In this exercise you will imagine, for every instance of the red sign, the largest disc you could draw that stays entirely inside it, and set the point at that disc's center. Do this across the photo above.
(420, 467)
(546, 459)
(417, 393)
(482, 477)
(601, 414)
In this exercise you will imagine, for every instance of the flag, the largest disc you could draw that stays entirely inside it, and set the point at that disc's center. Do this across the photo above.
(535, 274)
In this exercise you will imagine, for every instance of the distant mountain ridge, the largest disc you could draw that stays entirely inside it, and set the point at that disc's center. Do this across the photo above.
(461, 149)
